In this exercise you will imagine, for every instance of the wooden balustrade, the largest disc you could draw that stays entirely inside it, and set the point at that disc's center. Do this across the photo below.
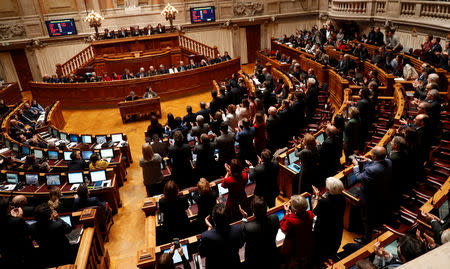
(276, 74)
(197, 47)
(384, 78)
(83, 58)
(272, 61)
(336, 84)
(248, 82)
(11, 94)
(55, 116)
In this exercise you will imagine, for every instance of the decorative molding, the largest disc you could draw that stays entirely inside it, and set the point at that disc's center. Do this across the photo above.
(35, 44)
(247, 8)
(11, 31)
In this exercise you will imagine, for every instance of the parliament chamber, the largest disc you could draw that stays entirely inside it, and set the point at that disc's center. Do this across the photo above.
(189, 134)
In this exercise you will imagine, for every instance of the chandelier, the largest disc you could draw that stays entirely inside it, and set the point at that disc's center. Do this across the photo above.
(169, 12)
(95, 20)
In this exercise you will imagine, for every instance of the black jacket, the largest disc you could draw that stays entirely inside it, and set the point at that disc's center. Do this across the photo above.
(266, 177)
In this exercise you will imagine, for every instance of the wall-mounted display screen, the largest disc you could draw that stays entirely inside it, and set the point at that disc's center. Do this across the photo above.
(203, 14)
(61, 27)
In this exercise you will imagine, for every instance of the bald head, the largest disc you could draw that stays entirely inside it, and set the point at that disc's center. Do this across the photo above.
(420, 119)
(19, 201)
(272, 110)
(331, 130)
(378, 153)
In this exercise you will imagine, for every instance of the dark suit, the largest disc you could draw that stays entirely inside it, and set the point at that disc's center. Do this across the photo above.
(329, 225)
(199, 130)
(298, 116)
(214, 106)
(205, 113)
(54, 248)
(246, 149)
(180, 156)
(266, 177)
(122, 34)
(221, 250)
(76, 165)
(311, 100)
(373, 177)
(89, 202)
(205, 165)
(260, 248)
(160, 147)
(15, 245)
(225, 144)
(379, 39)
(330, 155)
(400, 176)
(273, 126)
(205, 203)
(175, 218)
(351, 136)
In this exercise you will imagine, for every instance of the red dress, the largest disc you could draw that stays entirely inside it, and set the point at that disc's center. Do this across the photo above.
(260, 138)
(236, 194)
(299, 240)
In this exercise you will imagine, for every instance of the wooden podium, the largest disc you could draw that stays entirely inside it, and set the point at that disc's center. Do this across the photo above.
(143, 108)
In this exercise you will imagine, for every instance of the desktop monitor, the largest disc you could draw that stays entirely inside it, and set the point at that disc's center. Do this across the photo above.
(86, 139)
(320, 138)
(100, 139)
(66, 219)
(176, 256)
(26, 150)
(12, 178)
(63, 136)
(39, 154)
(53, 180)
(15, 147)
(280, 214)
(392, 248)
(55, 133)
(99, 175)
(292, 158)
(75, 177)
(32, 179)
(73, 138)
(107, 153)
(86, 155)
(116, 137)
(67, 155)
(52, 155)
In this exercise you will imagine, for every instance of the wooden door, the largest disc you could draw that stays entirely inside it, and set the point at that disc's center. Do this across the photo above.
(23, 70)
(253, 34)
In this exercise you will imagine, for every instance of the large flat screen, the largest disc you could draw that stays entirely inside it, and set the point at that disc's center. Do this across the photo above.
(61, 27)
(203, 14)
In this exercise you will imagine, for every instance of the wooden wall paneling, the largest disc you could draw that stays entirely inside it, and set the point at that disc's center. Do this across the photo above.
(253, 34)
(22, 66)
(112, 92)
(8, 8)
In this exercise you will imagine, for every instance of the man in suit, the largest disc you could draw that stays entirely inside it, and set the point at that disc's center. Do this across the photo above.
(374, 175)
(273, 127)
(361, 52)
(136, 31)
(422, 123)
(311, 98)
(298, 112)
(108, 34)
(329, 153)
(83, 200)
(162, 70)
(245, 138)
(22, 202)
(152, 71)
(346, 64)
(220, 244)
(131, 97)
(225, 56)
(265, 174)
(200, 128)
(122, 33)
(268, 77)
(225, 144)
(76, 163)
(371, 36)
(189, 118)
(215, 104)
(141, 73)
(127, 74)
(435, 108)
(182, 67)
(159, 146)
(365, 114)
(379, 37)
(224, 97)
(204, 112)
(400, 171)
(285, 122)
(259, 236)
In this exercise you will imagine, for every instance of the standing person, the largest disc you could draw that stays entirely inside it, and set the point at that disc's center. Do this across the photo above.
(174, 206)
(151, 170)
(297, 225)
(260, 132)
(206, 200)
(351, 132)
(329, 209)
(220, 244)
(205, 164)
(309, 157)
(245, 139)
(235, 180)
(273, 130)
(330, 152)
(180, 157)
(259, 236)
(266, 176)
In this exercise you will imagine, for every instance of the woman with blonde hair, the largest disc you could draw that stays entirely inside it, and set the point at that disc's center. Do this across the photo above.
(230, 117)
(329, 209)
(151, 170)
(206, 200)
(309, 159)
(55, 202)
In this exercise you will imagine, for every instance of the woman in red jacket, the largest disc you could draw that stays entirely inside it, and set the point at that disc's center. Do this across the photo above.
(260, 132)
(235, 180)
(297, 225)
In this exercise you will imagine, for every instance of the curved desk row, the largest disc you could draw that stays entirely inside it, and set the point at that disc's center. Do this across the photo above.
(11, 94)
(96, 94)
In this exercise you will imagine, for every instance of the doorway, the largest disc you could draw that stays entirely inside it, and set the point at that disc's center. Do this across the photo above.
(253, 35)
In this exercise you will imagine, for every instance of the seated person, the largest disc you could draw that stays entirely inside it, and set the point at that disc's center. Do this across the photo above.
(30, 164)
(97, 163)
(160, 29)
(50, 231)
(127, 74)
(173, 69)
(108, 34)
(149, 93)
(162, 70)
(76, 163)
(22, 202)
(83, 200)
(141, 73)
(152, 71)
(132, 96)
(55, 202)
(408, 249)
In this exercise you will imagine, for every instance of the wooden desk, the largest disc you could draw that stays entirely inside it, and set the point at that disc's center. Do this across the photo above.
(11, 94)
(273, 61)
(55, 116)
(142, 107)
(106, 93)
